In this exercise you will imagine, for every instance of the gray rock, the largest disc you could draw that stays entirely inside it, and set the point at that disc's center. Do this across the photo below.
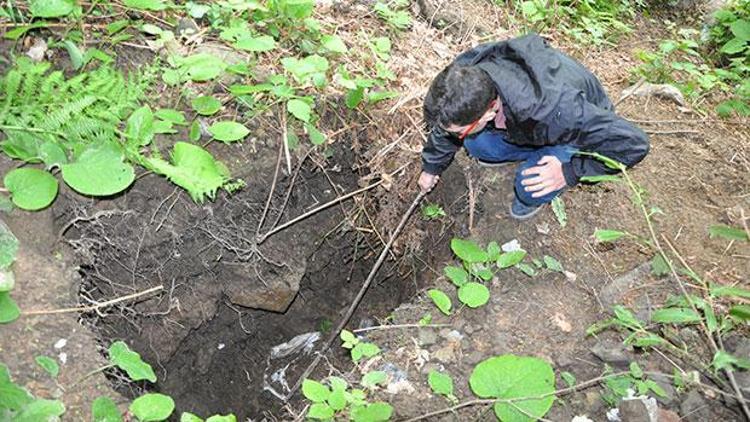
(741, 349)
(611, 352)
(639, 409)
(694, 408)
(743, 381)
(613, 292)
(666, 385)
(474, 357)
(427, 337)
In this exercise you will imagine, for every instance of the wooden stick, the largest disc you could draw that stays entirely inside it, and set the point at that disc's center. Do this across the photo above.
(393, 327)
(284, 140)
(335, 333)
(94, 307)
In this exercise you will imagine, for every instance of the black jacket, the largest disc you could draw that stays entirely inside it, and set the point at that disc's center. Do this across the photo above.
(548, 99)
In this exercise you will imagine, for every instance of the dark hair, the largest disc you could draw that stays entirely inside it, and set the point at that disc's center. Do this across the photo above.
(459, 95)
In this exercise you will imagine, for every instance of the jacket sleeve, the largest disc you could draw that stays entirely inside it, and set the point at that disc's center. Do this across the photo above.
(608, 134)
(438, 152)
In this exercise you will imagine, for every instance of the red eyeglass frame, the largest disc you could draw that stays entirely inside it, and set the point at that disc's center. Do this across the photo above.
(471, 127)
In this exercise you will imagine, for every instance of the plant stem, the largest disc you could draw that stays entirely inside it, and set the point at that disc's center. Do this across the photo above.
(97, 306)
(31, 129)
(393, 327)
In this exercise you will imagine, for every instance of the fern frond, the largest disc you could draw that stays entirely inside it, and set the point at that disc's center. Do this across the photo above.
(57, 118)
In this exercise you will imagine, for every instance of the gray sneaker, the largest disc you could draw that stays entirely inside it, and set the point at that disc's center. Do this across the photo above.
(521, 211)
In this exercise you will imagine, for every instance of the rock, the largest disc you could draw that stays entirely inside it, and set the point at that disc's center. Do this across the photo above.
(694, 408)
(611, 352)
(38, 50)
(668, 416)
(743, 381)
(639, 409)
(741, 349)
(647, 89)
(474, 357)
(613, 292)
(593, 401)
(666, 385)
(427, 337)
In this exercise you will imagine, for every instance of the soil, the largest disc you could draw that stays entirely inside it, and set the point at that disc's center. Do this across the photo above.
(228, 301)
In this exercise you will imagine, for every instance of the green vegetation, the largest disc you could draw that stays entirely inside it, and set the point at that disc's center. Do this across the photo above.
(337, 400)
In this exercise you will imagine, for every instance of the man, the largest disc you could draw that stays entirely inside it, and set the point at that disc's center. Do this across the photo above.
(522, 100)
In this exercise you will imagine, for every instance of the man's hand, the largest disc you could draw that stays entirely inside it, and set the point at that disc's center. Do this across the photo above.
(427, 181)
(549, 177)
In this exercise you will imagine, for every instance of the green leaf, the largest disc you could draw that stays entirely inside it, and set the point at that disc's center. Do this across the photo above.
(51, 8)
(635, 370)
(366, 350)
(99, 171)
(375, 412)
(117, 26)
(171, 115)
(659, 266)
(600, 178)
(316, 137)
(8, 247)
(31, 189)
(297, 9)
(40, 410)
(49, 365)
(320, 411)
(373, 378)
(193, 169)
(206, 105)
(740, 311)
(130, 361)
(468, 250)
(553, 264)
(315, 391)
(75, 53)
(508, 377)
(336, 382)
(440, 383)
(228, 131)
(526, 269)
(104, 409)
(19, 31)
(140, 126)
(569, 378)
(222, 418)
(441, 300)
(376, 96)
(7, 280)
(733, 46)
(12, 397)
(558, 207)
(608, 235)
(337, 399)
(456, 275)
(333, 43)
(194, 135)
(625, 316)
(256, 44)
(155, 5)
(310, 67)
(509, 259)
(200, 67)
(724, 360)
(152, 407)
(189, 417)
(354, 97)
(675, 316)
(724, 291)
(473, 295)
(741, 29)
(299, 109)
(727, 232)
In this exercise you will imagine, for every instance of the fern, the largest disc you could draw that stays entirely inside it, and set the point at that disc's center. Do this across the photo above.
(71, 113)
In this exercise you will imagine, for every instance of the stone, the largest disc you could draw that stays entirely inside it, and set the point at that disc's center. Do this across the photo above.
(611, 352)
(474, 357)
(694, 408)
(639, 409)
(613, 292)
(668, 416)
(427, 337)
(666, 385)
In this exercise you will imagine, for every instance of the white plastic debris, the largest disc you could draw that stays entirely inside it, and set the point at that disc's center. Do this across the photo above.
(301, 343)
(221, 346)
(613, 415)
(59, 344)
(513, 245)
(581, 418)
(63, 357)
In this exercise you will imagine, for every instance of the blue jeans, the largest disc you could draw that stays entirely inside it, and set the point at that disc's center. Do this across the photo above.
(491, 145)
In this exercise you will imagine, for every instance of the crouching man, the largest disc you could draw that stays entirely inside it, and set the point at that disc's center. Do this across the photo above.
(522, 100)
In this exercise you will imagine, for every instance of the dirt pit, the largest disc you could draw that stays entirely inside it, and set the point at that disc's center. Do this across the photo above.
(236, 320)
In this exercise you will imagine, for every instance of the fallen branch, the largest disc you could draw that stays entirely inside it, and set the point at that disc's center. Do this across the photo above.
(335, 201)
(335, 333)
(273, 187)
(97, 306)
(393, 327)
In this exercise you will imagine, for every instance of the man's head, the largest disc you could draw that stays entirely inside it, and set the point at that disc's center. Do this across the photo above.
(461, 100)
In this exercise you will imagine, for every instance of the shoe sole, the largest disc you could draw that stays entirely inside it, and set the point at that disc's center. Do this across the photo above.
(494, 165)
(525, 216)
